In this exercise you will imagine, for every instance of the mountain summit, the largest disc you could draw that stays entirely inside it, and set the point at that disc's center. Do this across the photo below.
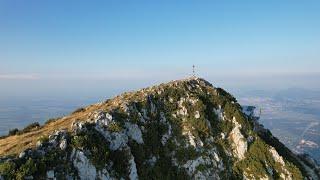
(184, 129)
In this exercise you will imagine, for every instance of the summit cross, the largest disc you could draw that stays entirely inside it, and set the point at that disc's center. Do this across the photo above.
(193, 71)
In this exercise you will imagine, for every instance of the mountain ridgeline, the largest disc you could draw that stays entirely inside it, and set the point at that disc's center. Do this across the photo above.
(185, 129)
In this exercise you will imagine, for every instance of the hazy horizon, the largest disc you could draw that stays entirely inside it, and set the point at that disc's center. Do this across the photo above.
(103, 86)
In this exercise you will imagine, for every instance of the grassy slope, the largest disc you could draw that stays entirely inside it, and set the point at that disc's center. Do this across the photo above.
(17, 143)
(13, 145)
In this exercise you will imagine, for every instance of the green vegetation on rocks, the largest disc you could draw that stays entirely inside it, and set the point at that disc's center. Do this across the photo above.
(181, 130)
(91, 140)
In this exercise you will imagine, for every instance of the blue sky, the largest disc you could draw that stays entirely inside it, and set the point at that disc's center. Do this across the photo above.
(47, 41)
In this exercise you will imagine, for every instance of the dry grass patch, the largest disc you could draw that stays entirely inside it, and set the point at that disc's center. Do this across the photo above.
(17, 143)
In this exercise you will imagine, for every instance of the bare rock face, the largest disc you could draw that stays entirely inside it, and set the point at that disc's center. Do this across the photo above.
(277, 158)
(50, 174)
(22, 154)
(117, 140)
(184, 129)
(239, 143)
(85, 169)
(133, 131)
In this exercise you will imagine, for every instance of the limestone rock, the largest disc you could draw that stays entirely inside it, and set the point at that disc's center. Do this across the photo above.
(50, 174)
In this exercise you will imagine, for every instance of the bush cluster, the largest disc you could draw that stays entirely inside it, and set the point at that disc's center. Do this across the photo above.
(92, 141)
(283, 151)
(81, 109)
(28, 128)
(36, 166)
(114, 127)
(51, 120)
(256, 159)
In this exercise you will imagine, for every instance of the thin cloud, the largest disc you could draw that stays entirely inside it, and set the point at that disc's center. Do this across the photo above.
(18, 76)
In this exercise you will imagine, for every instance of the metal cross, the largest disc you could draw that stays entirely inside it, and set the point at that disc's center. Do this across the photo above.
(193, 71)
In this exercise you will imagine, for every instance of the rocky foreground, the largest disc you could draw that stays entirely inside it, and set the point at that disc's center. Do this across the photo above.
(184, 129)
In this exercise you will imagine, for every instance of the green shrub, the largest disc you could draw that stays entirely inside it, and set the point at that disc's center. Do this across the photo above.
(200, 127)
(79, 141)
(185, 154)
(7, 170)
(13, 131)
(152, 138)
(92, 141)
(164, 169)
(225, 94)
(281, 149)
(43, 139)
(138, 152)
(53, 158)
(27, 169)
(229, 110)
(119, 115)
(120, 158)
(36, 166)
(201, 167)
(114, 127)
(296, 173)
(29, 127)
(256, 159)
(51, 120)
(81, 109)
(225, 126)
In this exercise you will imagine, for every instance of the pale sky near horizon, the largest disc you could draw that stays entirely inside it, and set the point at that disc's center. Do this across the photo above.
(42, 42)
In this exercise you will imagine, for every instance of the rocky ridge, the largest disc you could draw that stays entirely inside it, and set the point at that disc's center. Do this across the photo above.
(185, 129)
